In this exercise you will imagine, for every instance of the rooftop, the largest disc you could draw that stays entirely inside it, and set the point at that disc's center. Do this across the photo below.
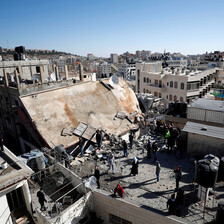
(205, 130)
(12, 169)
(206, 104)
(142, 189)
(91, 103)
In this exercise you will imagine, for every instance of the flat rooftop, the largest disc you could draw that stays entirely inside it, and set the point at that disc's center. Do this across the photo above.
(142, 189)
(206, 104)
(205, 130)
(12, 170)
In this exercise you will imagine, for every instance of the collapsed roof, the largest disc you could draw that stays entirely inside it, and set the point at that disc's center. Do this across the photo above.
(92, 103)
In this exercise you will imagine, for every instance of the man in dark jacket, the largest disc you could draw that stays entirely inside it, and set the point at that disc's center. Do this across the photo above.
(99, 138)
(131, 138)
(125, 148)
(171, 205)
(81, 145)
(41, 199)
(97, 175)
(178, 175)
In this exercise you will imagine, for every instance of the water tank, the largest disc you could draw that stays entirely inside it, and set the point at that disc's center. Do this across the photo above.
(221, 170)
(206, 173)
(177, 108)
(213, 159)
(40, 162)
(220, 213)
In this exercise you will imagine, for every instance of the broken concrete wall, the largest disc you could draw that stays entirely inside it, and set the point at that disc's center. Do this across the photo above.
(73, 214)
(104, 205)
(72, 177)
(89, 102)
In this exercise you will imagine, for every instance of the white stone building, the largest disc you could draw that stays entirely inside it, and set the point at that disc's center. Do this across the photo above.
(172, 85)
(114, 58)
(127, 71)
(143, 54)
(15, 198)
(104, 70)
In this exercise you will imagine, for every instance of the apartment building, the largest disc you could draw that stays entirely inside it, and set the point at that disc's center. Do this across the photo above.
(173, 84)
(104, 70)
(143, 54)
(114, 58)
(127, 71)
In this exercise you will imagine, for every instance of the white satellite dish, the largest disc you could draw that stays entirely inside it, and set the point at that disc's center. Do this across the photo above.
(53, 76)
(113, 80)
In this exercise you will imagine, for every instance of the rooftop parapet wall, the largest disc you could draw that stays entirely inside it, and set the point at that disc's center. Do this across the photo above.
(104, 205)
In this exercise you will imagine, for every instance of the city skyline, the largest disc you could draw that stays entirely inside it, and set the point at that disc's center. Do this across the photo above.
(103, 27)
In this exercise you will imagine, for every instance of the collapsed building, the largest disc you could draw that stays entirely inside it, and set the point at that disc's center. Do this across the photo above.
(44, 114)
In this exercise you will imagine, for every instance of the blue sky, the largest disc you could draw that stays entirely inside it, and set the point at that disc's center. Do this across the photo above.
(113, 26)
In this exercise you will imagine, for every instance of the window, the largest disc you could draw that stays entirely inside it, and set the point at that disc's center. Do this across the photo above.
(156, 82)
(182, 85)
(150, 81)
(155, 94)
(175, 85)
(160, 95)
(171, 84)
(181, 99)
(167, 83)
(160, 83)
(38, 69)
(170, 97)
(167, 97)
(147, 80)
(175, 98)
(144, 80)
(150, 92)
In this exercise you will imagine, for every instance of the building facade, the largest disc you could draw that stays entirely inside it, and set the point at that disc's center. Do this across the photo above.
(114, 58)
(143, 54)
(127, 71)
(173, 84)
(104, 70)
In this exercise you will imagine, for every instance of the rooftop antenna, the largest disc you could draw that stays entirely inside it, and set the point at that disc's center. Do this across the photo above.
(113, 80)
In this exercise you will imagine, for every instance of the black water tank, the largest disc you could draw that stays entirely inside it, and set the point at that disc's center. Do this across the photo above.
(17, 57)
(221, 170)
(177, 108)
(20, 49)
(206, 173)
(183, 108)
(220, 213)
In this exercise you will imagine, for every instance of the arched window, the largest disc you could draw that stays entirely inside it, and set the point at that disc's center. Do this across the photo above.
(182, 85)
(175, 98)
(144, 80)
(175, 85)
(181, 99)
(171, 84)
(170, 97)
(144, 90)
(147, 80)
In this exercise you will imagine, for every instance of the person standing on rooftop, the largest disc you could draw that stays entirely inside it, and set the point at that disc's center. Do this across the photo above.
(125, 148)
(158, 168)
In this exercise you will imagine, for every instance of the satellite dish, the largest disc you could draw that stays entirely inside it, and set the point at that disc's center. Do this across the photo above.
(113, 80)
(91, 182)
(53, 76)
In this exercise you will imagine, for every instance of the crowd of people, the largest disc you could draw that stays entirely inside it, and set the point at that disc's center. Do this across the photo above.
(174, 143)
